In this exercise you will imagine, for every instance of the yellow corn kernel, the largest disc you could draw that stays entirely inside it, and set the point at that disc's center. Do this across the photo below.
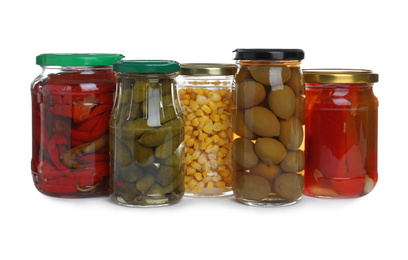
(217, 127)
(206, 109)
(208, 128)
(196, 132)
(186, 123)
(223, 151)
(198, 176)
(188, 159)
(222, 142)
(202, 145)
(208, 140)
(202, 159)
(196, 145)
(209, 148)
(202, 136)
(216, 138)
(225, 173)
(216, 178)
(228, 161)
(188, 130)
(220, 161)
(190, 151)
(214, 164)
(204, 119)
(206, 179)
(215, 149)
(212, 156)
(206, 166)
(187, 179)
(190, 170)
(196, 190)
(223, 134)
(219, 104)
(190, 116)
(188, 90)
(201, 99)
(224, 189)
(199, 91)
(215, 97)
(195, 154)
(199, 112)
(200, 184)
(220, 110)
(215, 118)
(189, 109)
(182, 92)
(195, 122)
(195, 165)
(210, 185)
(224, 117)
(212, 105)
(191, 184)
(186, 96)
(193, 105)
(186, 102)
(220, 184)
(190, 141)
(221, 167)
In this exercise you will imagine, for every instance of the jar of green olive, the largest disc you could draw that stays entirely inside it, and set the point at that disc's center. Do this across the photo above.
(268, 118)
(146, 135)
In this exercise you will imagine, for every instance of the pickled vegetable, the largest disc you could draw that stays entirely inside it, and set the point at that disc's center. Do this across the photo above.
(147, 135)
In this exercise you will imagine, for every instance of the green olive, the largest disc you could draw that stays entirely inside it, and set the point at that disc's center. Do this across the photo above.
(289, 186)
(144, 184)
(248, 94)
(296, 82)
(242, 74)
(291, 133)
(268, 171)
(270, 75)
(239, 127)
(282, 101)
(262, 121)
(243, 153)
(253, 187)
(270, 150)
(294, 161)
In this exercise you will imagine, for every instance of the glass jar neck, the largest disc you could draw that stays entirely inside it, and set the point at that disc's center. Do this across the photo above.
(55, 69)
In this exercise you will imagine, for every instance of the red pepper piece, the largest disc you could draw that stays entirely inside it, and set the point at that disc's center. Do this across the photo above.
(62, 110)
(47, 171)
(90, 124)
(107, 98)
(100, 129)
(94, 157)
(75, 78)
(61, 186)
(57, 142)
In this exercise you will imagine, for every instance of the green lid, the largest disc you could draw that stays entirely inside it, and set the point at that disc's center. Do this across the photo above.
(78, 59)
(146, 66)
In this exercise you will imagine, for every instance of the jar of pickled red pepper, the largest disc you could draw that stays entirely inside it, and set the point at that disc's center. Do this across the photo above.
(268, 120)
(205, 96)
(146, 135)
(341, 133)
(71, 103)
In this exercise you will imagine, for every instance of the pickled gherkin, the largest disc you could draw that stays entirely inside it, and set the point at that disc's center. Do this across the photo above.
(147, 135)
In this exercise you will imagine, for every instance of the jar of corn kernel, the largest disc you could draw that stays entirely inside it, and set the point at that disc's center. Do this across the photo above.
(205, 98)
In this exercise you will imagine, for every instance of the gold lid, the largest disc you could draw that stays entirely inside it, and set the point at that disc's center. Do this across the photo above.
(339, 76)
(207, 69)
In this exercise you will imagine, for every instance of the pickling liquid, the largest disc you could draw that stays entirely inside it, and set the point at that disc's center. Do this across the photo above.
(340, 140)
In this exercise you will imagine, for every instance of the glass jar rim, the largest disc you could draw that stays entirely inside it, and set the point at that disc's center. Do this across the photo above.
(78, 59)
(207, 69)
(339, 76)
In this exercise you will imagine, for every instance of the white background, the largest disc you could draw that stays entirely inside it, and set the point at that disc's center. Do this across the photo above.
(346, 34)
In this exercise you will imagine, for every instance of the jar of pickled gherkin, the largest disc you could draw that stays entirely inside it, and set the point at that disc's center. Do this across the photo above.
(341, 133)
(72, 100)
(268, 118)
(205, 96)
(146, 135)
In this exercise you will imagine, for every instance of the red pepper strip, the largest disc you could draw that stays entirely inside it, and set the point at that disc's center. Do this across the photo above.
(89, 124)
(107, 98)
(93, 157)
(100, 129)
(63, 185)
(85, 177)
(102, 168)
(54, 149)
(62, 110)
(104, 150)
(98, 110)
(47, 171)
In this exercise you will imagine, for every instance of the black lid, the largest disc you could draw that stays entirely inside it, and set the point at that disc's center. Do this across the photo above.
(268, 54)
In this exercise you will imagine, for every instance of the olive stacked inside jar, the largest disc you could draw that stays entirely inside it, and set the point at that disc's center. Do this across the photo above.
(268, 119)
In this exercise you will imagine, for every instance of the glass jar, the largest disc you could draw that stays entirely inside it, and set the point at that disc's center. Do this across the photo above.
(341, 133)
(146, 135)
(268, 119)
(205, 97)
(71, 103)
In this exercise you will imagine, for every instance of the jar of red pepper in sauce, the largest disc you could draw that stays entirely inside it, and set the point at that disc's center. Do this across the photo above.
(341, 133)
(71, 104)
